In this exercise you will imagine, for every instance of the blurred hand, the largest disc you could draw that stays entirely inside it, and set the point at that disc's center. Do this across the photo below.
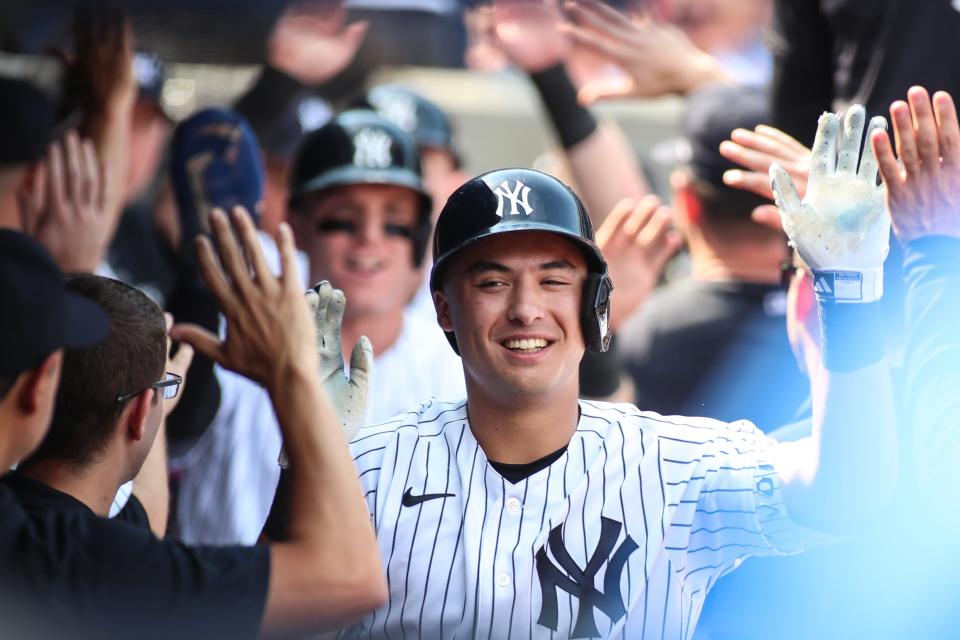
(527, 31)
(64, 206)
(923, 195)
(636, 242)
(347, 393)
(841, 228)
(178, 364)
(756, 151)
(310, 43)
(102, 73)
(658, 58)
(269, 329)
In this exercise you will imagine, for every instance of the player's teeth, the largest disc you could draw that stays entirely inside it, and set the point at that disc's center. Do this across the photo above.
(526, 344)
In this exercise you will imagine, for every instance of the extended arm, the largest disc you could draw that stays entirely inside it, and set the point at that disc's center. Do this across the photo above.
(328, 573)
(847, 471)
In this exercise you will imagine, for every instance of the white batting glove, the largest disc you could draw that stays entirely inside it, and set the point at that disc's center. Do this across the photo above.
(841, 229)
(347, 393)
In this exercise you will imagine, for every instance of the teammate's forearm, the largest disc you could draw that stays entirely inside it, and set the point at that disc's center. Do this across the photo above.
(854, 424)
(329, 571)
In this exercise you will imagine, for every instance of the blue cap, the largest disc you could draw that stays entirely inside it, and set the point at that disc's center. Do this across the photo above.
(215, 162)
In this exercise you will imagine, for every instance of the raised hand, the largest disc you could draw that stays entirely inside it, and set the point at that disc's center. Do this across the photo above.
(841, 228)
(269, 329)
(347, 392)
(658, 58)
(64, 206)
(528, 32)
(636, 242)
(923, 195)
(310, 43)
(756, 151)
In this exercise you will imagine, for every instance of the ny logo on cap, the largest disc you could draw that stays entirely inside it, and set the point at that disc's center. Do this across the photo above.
(518, 197)
(371, 149)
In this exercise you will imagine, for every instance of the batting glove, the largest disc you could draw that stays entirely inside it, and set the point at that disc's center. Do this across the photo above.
(841, 228)
(347, 391)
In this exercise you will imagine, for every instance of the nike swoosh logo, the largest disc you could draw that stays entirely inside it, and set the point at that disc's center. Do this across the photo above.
(410, 500)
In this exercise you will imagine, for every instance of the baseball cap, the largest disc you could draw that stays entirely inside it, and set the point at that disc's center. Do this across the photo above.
(28, 119)
(39, 316)
(215, 162)
(712, 112)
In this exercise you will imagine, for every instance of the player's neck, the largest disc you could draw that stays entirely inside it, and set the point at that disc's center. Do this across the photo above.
(515, 431)
(740, 262)
(383, 331)
(89, 484)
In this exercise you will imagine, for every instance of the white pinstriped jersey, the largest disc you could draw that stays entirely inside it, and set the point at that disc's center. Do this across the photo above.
(621, 537)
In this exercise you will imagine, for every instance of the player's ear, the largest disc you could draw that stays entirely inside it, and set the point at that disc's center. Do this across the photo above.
(136, 413)
(442, 305)
(686, 204)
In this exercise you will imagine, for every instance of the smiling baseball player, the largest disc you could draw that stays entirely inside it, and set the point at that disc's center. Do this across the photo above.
(525, 512)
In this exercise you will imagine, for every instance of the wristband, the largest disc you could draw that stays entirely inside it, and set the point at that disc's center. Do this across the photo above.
(852, 336)
(573, 122)
(848, 286)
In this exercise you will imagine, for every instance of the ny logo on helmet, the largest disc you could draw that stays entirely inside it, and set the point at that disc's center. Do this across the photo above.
(518, 197)
(371, 149)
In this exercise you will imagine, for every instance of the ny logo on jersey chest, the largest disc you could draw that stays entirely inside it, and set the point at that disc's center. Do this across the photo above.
(580, 583)
(518, 196)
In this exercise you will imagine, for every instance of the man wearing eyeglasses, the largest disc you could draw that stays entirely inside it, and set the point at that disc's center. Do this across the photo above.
(112, 402)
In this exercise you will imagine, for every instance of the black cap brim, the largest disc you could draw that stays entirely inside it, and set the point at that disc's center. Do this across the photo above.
(86, 323)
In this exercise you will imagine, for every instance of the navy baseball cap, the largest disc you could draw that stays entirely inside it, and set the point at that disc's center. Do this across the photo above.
(215, 162)
(40, 316)
(28, 120)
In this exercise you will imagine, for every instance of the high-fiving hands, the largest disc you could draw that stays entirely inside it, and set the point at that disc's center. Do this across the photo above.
(923, 194)
(841, 227)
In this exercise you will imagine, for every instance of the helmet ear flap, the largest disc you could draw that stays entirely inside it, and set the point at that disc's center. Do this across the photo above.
(422, 233)
(595, 313)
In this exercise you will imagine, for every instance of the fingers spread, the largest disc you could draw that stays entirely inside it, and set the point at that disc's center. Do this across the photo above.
(611, 228)
(868, 163)
(928, 146)
(904, 136)
(361, 361)
(251, 247)
(200, 339)
(784, 192)
(214, 277)
(852, 139)
(949, 130)
(824, 155)
(752, 181)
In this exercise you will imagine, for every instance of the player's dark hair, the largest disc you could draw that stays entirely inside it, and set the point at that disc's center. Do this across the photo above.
(6, 383)
(723, 205)
(131, 359)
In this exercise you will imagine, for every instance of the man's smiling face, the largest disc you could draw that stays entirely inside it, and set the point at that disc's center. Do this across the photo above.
(513, 300)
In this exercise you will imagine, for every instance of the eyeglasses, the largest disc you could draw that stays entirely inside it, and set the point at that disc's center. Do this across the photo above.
(169, 387)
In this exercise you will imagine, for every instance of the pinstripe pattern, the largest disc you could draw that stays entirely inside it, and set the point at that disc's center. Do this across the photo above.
(682, 490)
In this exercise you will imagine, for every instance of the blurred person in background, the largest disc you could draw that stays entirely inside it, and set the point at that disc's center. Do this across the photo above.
(706, 344)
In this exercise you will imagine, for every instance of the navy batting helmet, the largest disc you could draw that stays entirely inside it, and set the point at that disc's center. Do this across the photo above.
(361, 147)
(413, 113)
(510, 200)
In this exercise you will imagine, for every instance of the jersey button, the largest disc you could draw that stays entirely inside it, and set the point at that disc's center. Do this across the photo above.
(513, 505)
(503, 580)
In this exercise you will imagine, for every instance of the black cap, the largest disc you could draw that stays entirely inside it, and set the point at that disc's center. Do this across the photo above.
(712, 112)
(28, 119)
(39, 315)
